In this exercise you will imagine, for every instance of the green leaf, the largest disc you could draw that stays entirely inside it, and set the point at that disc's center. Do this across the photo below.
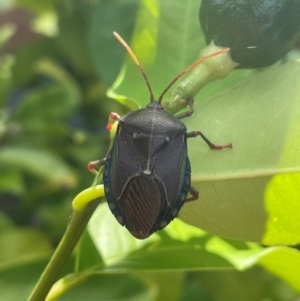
(282, 262)
(166, 285)
(110, 287)
(41, 107)
(36, 6)
(249, 192)
(11, 180)
(17, 281)
(168, 253)
(6, 32)
(182, 247)
(87, 254)
(22, 245)
(72, 40)
(51, 69)
(110, 16)
(121, 242)
(6, 64)
(168, 250)
(5, 221)
(39, 162)
(25, 58)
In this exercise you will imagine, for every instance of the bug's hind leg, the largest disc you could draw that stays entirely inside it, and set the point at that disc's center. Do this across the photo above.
(190, 103)
(194, 194)
(210, 144)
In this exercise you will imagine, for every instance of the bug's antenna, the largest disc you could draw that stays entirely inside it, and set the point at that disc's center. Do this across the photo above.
(199, 61)
(136, 62)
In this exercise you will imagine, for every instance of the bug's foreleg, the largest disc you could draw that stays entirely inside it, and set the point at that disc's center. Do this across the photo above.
(112, 117)
(93, 164)
(194, 194)
(189, 113)
(210, 144)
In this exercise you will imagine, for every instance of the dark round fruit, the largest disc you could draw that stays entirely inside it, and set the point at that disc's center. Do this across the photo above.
(258, 32)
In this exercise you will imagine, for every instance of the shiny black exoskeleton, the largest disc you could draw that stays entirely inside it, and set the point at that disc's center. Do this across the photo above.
(147, 173)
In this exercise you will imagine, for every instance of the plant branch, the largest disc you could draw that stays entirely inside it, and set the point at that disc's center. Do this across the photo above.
(62, 253)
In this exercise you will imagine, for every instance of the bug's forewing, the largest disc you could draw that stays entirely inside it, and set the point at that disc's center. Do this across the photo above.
(171, 166)
(143, 205)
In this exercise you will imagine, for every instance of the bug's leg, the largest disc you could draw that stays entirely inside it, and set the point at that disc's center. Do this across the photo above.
(189, 113)
(93, 164)
(211, 145)
(195, 194)
(112, 117)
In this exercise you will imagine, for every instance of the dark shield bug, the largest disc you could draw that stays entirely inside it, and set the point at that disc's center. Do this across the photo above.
(147, 173)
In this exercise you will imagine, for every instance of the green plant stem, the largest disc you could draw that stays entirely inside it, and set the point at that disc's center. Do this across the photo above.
(62, 253)
(209, 70)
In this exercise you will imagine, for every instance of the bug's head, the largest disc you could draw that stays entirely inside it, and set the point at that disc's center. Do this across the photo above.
(154, 104)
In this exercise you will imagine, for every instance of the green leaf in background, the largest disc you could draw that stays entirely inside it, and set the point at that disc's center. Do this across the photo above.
(168, 250)
(23, 70)
(249, 192)
(5, 222)
(39, 162)
(283, 262)
(6, 63)
(72, 35)
(251, 285)
(6, 32)
(174, 247)
(24, 245)
(88, 256)
(11, 180)
(112, 241)
(36, 6)
(41, 107)
(16, 281)
(109, 16)
(110, 287)
(44, 109)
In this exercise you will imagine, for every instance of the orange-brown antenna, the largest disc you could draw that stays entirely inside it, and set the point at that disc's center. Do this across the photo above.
(136, 62)
(199, 61)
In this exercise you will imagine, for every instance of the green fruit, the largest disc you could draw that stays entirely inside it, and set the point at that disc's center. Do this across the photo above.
(258, 32)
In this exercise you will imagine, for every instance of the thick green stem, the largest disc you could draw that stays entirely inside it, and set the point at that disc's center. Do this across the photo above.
(209, 70)
(62, 253)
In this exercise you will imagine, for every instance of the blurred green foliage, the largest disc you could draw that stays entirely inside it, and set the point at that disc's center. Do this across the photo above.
(57, 60)
(53, 113)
